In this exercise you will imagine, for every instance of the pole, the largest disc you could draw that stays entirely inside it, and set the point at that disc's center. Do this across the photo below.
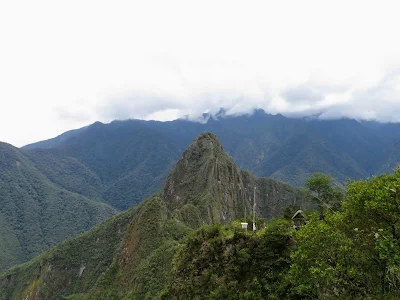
(254, 210)
(244, 204)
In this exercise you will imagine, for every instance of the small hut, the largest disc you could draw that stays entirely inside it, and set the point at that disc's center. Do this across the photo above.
(299, 219)
(244, 225)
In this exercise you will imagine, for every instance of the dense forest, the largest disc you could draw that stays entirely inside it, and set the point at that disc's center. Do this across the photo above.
(35, 212)
(131, 254)
(343, 250)
(287, 149)
(187, 242)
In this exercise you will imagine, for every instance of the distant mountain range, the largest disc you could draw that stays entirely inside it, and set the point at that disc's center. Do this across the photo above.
(73, 181)
(131, 255)
(289, 150)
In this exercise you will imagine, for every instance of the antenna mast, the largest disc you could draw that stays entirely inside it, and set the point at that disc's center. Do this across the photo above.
(254, 210)
(244, 203)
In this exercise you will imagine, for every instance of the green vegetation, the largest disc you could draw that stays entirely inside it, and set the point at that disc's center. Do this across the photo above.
(121, 163)
(289, 150)
(208, 187)
(125, 163)
(35, 213)
(352, 253)
(187, 242)
(226, 262)
(67, 172)
(205, 187)
(81, 259)
(326, 197)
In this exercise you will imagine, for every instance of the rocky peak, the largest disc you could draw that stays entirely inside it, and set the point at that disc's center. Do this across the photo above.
(204, 177)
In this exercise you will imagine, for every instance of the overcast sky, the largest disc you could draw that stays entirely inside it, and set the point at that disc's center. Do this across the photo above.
(66, 64)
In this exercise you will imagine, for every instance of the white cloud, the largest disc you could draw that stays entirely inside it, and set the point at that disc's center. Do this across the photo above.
(65, 65)
(379, 102)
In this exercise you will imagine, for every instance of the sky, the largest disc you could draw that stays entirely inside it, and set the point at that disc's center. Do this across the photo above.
(66, 64)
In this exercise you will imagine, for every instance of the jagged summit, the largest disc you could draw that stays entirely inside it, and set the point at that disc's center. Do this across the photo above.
(207, 182)
(205, 146)
(205, 177)
(207, 136)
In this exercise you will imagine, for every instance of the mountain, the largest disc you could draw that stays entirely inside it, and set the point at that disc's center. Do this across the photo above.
(207, 178)
(50, 143)
(130, 255)
(36, 213)
(128, 161)
(121, 163)
(286, 149)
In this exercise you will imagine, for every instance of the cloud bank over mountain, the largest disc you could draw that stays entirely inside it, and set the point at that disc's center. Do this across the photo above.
(67, 65)
(380, 101)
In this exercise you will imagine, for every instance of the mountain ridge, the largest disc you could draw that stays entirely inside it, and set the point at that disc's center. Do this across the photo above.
(124, 162)
(346, 148)
(35, 213)
(135, 248)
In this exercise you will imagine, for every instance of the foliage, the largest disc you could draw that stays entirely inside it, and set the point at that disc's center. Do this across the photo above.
(80, 260)
(156, 250)
(36, 213)
(323, 193)
(289, 150)
(325, 264)
(138, 261)
(353, 253)
(225, 262)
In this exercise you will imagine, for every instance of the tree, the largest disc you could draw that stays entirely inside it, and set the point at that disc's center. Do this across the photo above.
(323, 193)
(354, 252)
(326, 264)
(373, 207)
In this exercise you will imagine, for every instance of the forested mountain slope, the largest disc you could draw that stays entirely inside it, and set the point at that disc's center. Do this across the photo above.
(125, 160)
(286, 149)
(130, 255)
(36, 213)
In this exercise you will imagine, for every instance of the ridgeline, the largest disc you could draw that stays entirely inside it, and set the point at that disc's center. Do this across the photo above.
(131, 255)
(36, 213)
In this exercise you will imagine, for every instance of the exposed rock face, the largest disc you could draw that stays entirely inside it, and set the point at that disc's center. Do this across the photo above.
(208, 178)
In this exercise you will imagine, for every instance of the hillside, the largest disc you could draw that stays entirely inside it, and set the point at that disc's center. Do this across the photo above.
(125, 160)
(289, 150)
(130, 255)
(35, 213)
